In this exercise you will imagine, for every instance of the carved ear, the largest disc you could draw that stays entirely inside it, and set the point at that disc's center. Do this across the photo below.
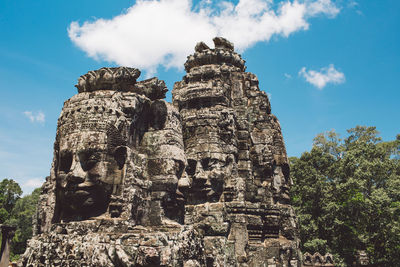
(159, 113)
(120, 154)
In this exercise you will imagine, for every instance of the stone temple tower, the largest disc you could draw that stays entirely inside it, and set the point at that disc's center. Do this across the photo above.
(237, 175)
(138, 181)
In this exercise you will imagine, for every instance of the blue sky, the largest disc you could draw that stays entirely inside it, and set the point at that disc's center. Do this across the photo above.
(326, 64)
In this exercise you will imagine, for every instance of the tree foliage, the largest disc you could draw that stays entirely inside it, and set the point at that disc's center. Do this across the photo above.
(21, 216)
(17, 211)
(347, 196)
(10, 192)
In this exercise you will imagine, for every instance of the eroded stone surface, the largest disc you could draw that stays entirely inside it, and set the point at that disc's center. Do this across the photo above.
(137, 181)
(121, 78)
(318, 260)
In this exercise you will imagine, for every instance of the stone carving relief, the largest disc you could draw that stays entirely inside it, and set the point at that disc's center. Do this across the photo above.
(121, 78)
(138, 181)
(318, 260)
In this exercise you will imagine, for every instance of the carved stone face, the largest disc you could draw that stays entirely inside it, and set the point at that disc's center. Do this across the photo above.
(280, 183)
(208, 174)
(88, 173)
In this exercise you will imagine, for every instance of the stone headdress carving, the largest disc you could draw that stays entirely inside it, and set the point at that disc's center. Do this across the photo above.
(104, 125)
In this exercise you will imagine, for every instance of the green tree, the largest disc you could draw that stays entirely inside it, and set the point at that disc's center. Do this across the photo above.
(21, 216)
(346, 194)
(10, 192)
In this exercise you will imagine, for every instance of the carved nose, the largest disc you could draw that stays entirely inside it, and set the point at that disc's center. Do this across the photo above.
(183, 183)
(76, 174)
(200, 175)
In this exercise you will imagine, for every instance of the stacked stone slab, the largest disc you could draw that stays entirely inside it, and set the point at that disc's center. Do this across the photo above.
(137, 181)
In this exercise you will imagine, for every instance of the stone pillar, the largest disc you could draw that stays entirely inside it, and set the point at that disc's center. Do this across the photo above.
(7, 233)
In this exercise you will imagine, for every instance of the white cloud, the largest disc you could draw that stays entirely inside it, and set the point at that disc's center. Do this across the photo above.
(37, 117)
(352, 3)
(323, 7)
(288, 76)
(34, 183)
(152, 33)
(321, 78)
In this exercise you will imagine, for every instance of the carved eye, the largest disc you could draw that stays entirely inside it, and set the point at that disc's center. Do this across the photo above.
(209, 163)
(65, 161)
(205, 163)
(191, 167)
(89, 159)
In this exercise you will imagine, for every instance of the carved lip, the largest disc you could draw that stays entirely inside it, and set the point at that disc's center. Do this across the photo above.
(79, 191)
(208, 191)
(203, 189)
(86, 186)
